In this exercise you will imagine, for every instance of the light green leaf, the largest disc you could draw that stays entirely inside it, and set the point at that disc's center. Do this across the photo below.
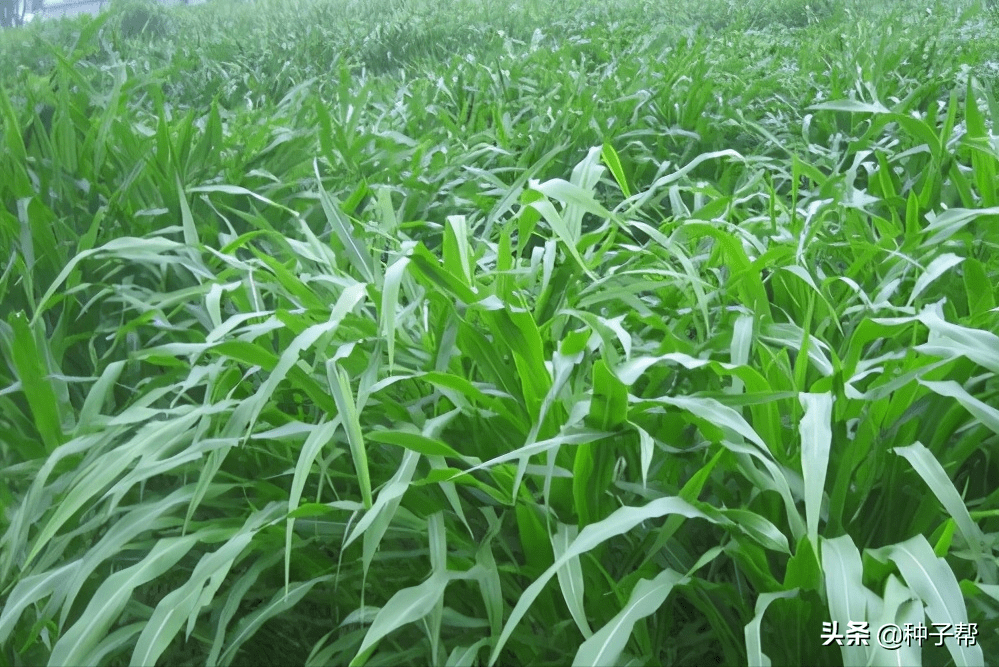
(845, 590)
(570, 577)
(465, 656)
(607, 644)
(937, 268)
(816, 439)
(406, 606)
(279, 603)
(985, 413)
(924, 463)
(351, 420)
(390, 302)
(414, 442)
(319, 437)
(934, 582)
(357, 254)
(754, 648)
(618, 523)
(29, 590)
(76, 645)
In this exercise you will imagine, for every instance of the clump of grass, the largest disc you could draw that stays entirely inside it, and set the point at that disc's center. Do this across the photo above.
(141, 18)
(619, 337)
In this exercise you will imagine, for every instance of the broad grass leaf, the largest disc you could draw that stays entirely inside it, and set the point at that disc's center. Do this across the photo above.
(936, 268)
(493, 401)
(149, 516)
(845, 591)
(950, 340)
(154, 460)
(761, 529)
(13, 136)
(455, 250)
(116, 640)
(234, 597)
(490, 585)
(988, 589)
(924, 463)
(437, 540)
(294, 285)
(609, 330)
(29, 590)
(350, 418)
(390, 302)
(904, 609)
(414, 442)
(987, 415)
(646, 449)
(690, 491)
(374, 523)
(803, 569)
(535, 541)
(570, 577)
(746, 278)
(32, 370)
(183, 604)
(754, 647)
(405, 606)
(187, 220)
(574, 438)
(577, 194)
(562, 368)
(562, 231)
(852, 106)
(983, 153)
(514, 192)
(465, 656)
(793, 337)
(609, 400)
(742, 342)
(641, 199)
(357, 253)
(211, 138)
(606, 645)
(95, 478)
(253, 354)
(239, 190)
(383, 202)
(246, 414)
(437, 278)
(515, 331)
(588, 172)
(319, 437)
(281, 602)
(944, 225)
(613, 162)
(98, 397)
(76, 645)
(802, 274)
(720, 415)
(618, 523)
(630, 371)
(920, 130)
(816, 440)
(125, 247)
(979, 300)
(35, 503)
(933, 580)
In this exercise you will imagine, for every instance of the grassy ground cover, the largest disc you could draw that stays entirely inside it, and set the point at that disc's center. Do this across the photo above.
(340, 332)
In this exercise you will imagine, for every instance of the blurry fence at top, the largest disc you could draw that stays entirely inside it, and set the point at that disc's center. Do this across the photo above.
(18, 12)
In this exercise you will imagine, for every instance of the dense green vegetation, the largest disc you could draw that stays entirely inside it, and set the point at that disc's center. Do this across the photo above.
(632, 332)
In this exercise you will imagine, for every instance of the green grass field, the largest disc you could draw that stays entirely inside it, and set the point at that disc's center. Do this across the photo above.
(407, 332)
